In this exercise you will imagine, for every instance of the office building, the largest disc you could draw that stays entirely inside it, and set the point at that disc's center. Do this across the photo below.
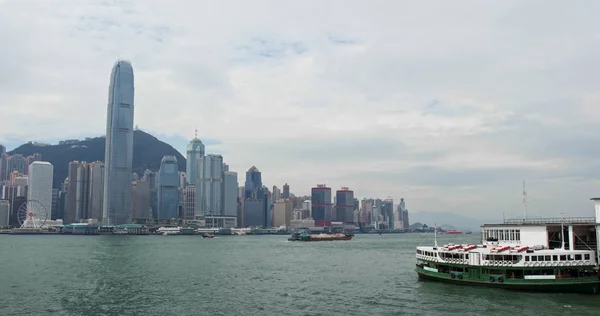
(4, 213)
(40, 185)
(195, 150)
(321, 205)
(230, 192)
(387, 211)
(344, 205)
(209, 185)
(282, 213)
(285, 194)
(168, 188)
(189, 201)
(119, 146)
(276, 193)
(96, 190)
(253, 183)
(140, 201)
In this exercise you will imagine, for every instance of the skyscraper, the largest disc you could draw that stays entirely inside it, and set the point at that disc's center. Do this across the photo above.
(387, 211)
(253, 182)
(96, 190)
(168, 188)
(321, 205)
(344, 205)
(230, 187)
(209, 185)
(118, 153)
(276, 193)
(140, 200)
(286, 191)
(282, 213)
(195, 150)
(40, 184)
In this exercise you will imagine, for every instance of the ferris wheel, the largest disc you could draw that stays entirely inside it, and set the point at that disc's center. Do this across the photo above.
(32, 214)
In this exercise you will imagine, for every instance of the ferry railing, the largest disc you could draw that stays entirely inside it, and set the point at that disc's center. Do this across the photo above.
(559, 220)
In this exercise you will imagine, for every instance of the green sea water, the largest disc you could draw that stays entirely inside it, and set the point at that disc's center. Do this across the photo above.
(247, 275)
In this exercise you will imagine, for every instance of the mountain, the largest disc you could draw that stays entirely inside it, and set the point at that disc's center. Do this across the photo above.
(449, 220)
(147, 153)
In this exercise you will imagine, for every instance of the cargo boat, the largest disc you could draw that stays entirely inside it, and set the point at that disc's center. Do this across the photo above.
(305, 236)
(527, 254)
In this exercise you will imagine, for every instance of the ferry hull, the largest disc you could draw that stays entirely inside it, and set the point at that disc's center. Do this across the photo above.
(591, 286)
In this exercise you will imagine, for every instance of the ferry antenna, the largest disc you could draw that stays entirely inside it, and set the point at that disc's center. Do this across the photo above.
(524, 201)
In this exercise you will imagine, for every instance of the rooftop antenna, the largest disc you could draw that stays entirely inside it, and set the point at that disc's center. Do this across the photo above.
(196, 133)
(524, 201)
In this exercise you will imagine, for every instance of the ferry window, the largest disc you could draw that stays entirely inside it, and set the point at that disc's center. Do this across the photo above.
(526, 258)
(533, 258)
(512, 234)
(501, 235)
(466, 256)
(540, 258)
(555, 258)
(547, 258)
(570, 257)
(578, 257)
(587, 256)
(563, 258)
(518, 233)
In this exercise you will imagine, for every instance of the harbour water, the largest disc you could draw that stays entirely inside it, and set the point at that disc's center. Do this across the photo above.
(249, 275)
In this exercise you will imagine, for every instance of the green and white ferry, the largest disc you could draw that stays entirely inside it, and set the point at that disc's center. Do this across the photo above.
(539, 255)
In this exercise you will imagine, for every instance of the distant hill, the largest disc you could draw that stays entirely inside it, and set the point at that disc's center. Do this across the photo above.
(147, 154)
(447, 220)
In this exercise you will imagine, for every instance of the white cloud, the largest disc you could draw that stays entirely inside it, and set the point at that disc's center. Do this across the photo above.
(390, 98)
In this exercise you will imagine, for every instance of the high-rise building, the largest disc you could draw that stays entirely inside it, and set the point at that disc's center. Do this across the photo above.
(71, 206)
(403, 214)
(209, 185)
(168, 188)
(82, 194)
(40, 184)
(387, 211)
(118, 153)
(276, 193)
(3, 167)
(96, 191)
(189, 201)
(140, 200)
(282, 213)
(285, 194)
(230, 187)
(4, 213)
(150, 177)
(344, 205)
(321, 205)
(195, 150)
(54, 210)
(16, 162)
(2, 150)
(253, 182)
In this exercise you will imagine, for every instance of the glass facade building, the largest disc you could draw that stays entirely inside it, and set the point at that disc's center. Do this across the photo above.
(344, 205)
(321, 205)
(195, 150)
(209, 186)
(168, 188)
(118, 153)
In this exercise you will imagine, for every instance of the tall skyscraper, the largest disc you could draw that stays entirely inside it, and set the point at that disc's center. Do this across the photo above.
(387, 210)
(344, 205)
(276, 193)
(16, 162)
(118, 153)
(168, 188)
(150, 177)
(189, 201)
(71, 206)
(253, 182)
(82, 199)
(286, 191)
(403, 214)
(40, 184)
(321, 205)
(195, 150)
(96, 191)
(230, 188)
(209, 185)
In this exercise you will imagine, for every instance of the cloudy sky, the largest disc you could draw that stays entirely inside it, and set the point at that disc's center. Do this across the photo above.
(449, 104)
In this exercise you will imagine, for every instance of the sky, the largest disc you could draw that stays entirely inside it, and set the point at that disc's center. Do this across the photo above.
(450, 105)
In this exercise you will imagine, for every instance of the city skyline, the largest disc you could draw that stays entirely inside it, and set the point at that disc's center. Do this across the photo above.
(449, 105)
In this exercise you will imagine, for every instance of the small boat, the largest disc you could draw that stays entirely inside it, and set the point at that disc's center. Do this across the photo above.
(307, 236)
(208, 235)
(453, 232)
(468, 232)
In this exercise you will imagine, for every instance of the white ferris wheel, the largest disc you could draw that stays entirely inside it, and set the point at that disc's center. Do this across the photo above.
(32, 214)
